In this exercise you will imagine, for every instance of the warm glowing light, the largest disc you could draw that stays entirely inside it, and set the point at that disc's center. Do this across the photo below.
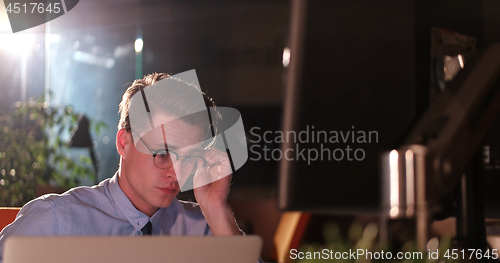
(286, 57)
(410, 179)
(461, 60)
(53, 38)
(17, 43)
(394, 211)
(138, 45)
(452, 65)
(394, 177)
(4, 21)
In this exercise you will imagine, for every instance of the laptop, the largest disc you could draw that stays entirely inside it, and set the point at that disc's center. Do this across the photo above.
(132, 249)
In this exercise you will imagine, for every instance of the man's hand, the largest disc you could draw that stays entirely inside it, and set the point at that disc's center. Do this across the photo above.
(211, 188)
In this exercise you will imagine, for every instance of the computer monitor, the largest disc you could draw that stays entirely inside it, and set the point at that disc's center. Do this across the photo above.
(357, 78)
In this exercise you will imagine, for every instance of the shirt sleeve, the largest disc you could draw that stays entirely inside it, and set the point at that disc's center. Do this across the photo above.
(36, 218)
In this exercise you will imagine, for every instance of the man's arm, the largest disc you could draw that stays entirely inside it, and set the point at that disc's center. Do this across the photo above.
(36, 218)
(211, 188)
(221, 220)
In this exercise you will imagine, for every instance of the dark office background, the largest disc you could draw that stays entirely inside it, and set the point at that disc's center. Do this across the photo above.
(236, 48)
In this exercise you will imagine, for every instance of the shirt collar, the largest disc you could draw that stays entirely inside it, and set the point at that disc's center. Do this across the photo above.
(164, 213)
(137, 218)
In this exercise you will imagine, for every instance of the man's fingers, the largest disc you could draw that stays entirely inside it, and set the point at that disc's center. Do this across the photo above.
(218, 163)
(216, 156)
(219, 171)
(211, 174)
(202, 178)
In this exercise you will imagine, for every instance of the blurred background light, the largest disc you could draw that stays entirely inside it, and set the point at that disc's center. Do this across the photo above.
(286, 57)
(4, 20)
(452, 65)
(138, 45)
(17, 43)
(93, 59)
(53, 38)
(123, 50)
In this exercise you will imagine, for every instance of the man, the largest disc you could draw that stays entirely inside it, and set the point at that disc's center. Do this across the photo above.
(164, 142)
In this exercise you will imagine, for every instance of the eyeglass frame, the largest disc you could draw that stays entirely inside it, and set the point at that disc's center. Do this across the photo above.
(155, 153)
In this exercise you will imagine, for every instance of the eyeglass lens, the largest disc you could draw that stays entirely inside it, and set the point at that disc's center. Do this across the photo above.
(190, 164)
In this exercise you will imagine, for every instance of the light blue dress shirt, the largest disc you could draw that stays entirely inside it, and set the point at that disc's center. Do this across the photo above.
(103, 209)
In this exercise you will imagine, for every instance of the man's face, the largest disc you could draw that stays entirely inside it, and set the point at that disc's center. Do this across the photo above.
(147, 186)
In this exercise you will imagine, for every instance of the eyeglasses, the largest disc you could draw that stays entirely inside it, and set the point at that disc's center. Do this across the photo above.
(166, 158)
